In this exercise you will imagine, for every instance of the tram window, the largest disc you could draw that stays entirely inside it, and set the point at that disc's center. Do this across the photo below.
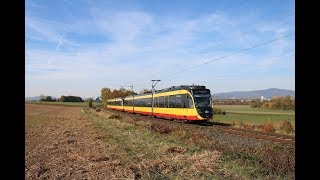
(179, 101)
(137, 102)
(190, 101)
(147, 102)
(150, 102)
(143, 103)
(175, 101)
(172, 101)
(162, 101)
(187, 101)
(155, 101)
(140, 102)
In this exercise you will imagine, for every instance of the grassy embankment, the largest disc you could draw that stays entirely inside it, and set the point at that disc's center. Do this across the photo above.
(164, 153)
(244, 114)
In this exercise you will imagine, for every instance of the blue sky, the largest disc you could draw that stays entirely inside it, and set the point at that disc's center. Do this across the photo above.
(79, 47)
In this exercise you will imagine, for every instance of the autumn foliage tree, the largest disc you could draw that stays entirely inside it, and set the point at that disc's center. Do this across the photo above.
(283, 103)
(106, 94)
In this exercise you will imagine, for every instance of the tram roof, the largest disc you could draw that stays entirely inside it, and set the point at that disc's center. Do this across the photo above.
(174, 88)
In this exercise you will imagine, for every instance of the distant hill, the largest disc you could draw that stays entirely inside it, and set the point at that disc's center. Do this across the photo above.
(35, 98)
(268, 94)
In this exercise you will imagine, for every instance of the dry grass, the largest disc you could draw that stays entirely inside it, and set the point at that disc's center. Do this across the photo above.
(246, 126)
(161, 128)
(149, 155)
(115, 116)
(179, 165)
(144, 124)
(175, 149)
(267, 127)
(287, 127)
(175, 153)
(181, 134)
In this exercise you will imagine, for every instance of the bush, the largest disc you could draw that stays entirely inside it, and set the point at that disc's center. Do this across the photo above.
(286, 127)
(161, 128)
(268, 127)
(90, 103)
(218, 111)
(246, 126)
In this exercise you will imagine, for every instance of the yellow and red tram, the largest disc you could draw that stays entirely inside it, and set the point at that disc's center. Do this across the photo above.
(189, 103)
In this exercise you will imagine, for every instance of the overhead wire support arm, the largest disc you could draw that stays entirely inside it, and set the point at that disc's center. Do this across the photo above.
(154, 83)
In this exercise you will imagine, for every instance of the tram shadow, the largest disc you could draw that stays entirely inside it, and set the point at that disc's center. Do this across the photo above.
(210, 123)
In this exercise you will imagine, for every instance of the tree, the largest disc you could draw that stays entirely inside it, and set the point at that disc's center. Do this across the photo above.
(62, 98)
(47, 99)
(265, 105)
(255, 103)
(105, 95)
(90, 102)
(275, 103)
(288, 103)
(42, 97)
(71, 99)
(143, 91)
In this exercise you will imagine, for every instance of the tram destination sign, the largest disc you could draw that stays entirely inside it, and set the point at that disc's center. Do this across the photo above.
(201, 91)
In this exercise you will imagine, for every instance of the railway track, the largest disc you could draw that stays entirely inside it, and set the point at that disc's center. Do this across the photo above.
(273, 137)
(260, 135)
(247, 133)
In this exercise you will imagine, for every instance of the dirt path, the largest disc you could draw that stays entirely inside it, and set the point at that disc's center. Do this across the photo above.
(62, 144)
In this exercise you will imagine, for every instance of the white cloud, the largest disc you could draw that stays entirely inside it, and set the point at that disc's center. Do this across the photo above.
(123, 26)
(46, 30)
(143, 46)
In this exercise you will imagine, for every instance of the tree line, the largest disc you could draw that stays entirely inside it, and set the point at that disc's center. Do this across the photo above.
(61, 99)
(230, 102)
(70, 99)
(283, 103)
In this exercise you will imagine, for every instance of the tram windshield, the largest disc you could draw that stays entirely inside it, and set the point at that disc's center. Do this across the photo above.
(202, 100)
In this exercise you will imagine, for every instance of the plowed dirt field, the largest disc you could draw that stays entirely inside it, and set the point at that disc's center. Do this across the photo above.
(62, 143)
